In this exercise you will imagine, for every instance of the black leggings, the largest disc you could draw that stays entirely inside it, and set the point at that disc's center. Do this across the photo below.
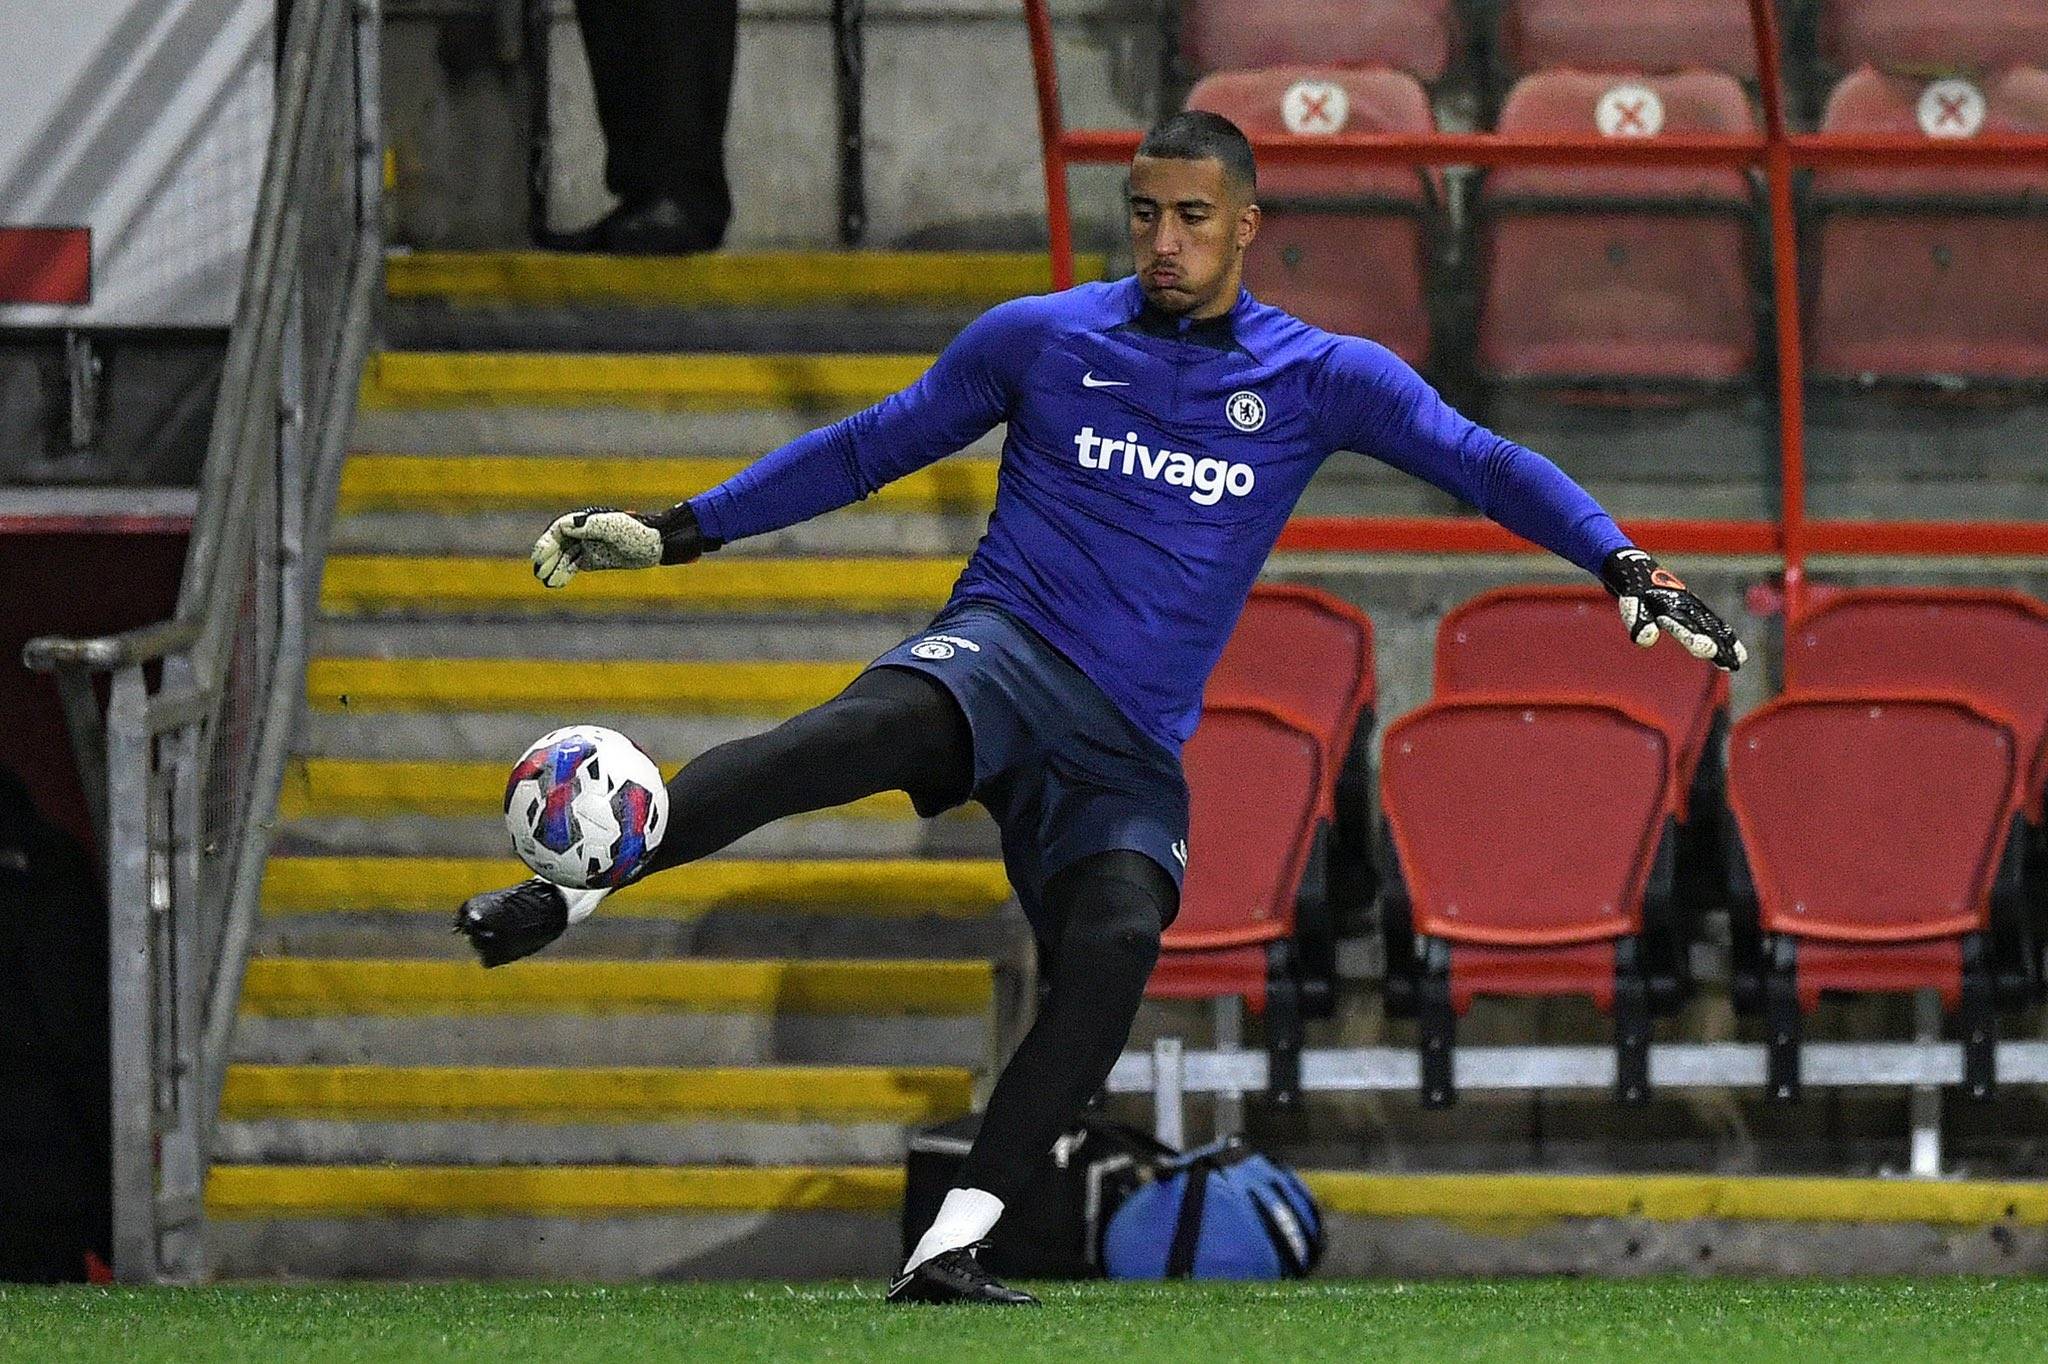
(898, 730)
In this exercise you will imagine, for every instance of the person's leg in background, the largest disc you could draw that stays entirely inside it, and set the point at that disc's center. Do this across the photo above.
(662, 73)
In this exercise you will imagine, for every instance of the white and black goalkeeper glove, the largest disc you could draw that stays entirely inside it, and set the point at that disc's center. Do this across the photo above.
(1654, 601)
(605, 537)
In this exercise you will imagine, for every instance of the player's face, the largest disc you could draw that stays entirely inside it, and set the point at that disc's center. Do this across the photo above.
(1189, 230)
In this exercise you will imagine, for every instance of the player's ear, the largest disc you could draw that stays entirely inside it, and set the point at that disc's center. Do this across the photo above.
(1248, 219)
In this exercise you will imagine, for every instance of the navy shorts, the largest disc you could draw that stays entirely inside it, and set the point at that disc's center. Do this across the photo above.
(1065, 774)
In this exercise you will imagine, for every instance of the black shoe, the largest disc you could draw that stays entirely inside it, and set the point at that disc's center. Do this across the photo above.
(505, 925)
(955, 1276)
(647, 227)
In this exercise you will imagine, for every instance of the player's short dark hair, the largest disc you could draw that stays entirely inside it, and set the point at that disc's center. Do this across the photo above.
(1198, 135)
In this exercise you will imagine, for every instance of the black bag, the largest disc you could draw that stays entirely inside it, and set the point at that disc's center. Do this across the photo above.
(1054, 1230)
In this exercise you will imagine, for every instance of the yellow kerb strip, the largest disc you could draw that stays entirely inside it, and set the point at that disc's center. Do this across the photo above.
(361, 583)
(758, 279)
(379, 482)
(249, 1191)
(892, 887)
(376, 788)
(1680, 1198)
(606, 1094)
(455, 685)
(826, 384)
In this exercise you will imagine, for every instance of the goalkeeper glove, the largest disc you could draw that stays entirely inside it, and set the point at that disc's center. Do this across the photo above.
(1653, 599)
(604, 537)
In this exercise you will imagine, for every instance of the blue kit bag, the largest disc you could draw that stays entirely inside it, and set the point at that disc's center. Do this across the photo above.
(1218, 1212)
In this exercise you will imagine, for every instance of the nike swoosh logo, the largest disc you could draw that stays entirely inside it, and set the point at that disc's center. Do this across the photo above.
(1089, 380)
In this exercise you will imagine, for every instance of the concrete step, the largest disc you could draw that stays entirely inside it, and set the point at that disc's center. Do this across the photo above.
(596, 1094)
(460, 483)
(453, 810)
(510, 534)
(408, 585)
(854, 887)
(699, 1141)
(392, 1011)
(767, 689)
(495, 428)
(743, 1038)
(736, 637)
(553, 1221)
(742, 932)
(814, 837)
(317, 788)
(735, 279)
(499, 738)
(651, 382)
(283, 987)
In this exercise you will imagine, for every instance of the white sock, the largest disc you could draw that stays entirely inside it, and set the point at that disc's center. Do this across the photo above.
(582, 902)
(965, 1217)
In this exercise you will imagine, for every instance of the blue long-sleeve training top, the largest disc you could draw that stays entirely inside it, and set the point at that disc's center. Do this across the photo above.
(1148, 468)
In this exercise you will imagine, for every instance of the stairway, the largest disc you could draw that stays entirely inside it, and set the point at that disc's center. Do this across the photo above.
(714, 1076)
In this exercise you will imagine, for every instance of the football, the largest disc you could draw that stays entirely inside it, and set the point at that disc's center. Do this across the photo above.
(585, 807)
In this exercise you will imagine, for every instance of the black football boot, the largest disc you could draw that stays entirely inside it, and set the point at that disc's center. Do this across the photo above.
(955, 1276)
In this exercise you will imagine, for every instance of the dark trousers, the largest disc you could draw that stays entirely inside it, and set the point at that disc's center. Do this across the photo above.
(897, 730)
(663, 73)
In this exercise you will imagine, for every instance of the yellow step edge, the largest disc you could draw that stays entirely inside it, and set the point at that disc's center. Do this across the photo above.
(241, 1191)
(1679, 1198)
(881, 887)
(726, 279)
(455, 685)
(363, 788)
(357, 583)
(263, 1191)
(310, 987)
(598, 1094)
(383, 482)
(825, 384)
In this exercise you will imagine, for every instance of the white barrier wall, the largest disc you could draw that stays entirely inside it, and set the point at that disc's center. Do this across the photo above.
(132, 135)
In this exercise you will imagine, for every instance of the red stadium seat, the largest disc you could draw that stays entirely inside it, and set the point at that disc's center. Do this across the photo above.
(1874, 826)
(1343, 247)
(1628, 35)
(1531, 839)
(1569, 641)
(1415, 36)
(1933, 35)
(1255, 779)
(1988, 647)
(1932, 274)
(1631, 277)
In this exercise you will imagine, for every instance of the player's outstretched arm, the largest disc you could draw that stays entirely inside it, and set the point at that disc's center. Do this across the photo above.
(1653, 601)
(605, 537)
(1371, 401)
(960, 398)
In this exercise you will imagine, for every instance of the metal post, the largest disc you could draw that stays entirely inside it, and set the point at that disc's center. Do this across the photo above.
(1059, 223)
(1227, 1017)
(1169, 1098)
(1785, 307)
(130, 981)
(182, 1169)
(1923, 1102)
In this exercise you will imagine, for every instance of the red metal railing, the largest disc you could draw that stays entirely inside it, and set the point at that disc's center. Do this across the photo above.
(1791, 537)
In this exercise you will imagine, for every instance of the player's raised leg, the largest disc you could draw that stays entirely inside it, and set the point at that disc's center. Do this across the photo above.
(890, 730)
(1106, 912)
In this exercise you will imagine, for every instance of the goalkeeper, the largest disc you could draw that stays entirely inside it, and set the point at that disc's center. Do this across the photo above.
(1160, 429)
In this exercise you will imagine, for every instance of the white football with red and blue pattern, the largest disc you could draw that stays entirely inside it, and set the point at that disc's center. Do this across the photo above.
(585, 807)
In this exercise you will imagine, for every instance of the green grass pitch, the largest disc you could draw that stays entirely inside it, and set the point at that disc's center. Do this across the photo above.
(1665, 1321)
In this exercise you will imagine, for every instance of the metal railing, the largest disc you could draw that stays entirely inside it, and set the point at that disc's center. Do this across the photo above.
(182, 768)
(1792, 536)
